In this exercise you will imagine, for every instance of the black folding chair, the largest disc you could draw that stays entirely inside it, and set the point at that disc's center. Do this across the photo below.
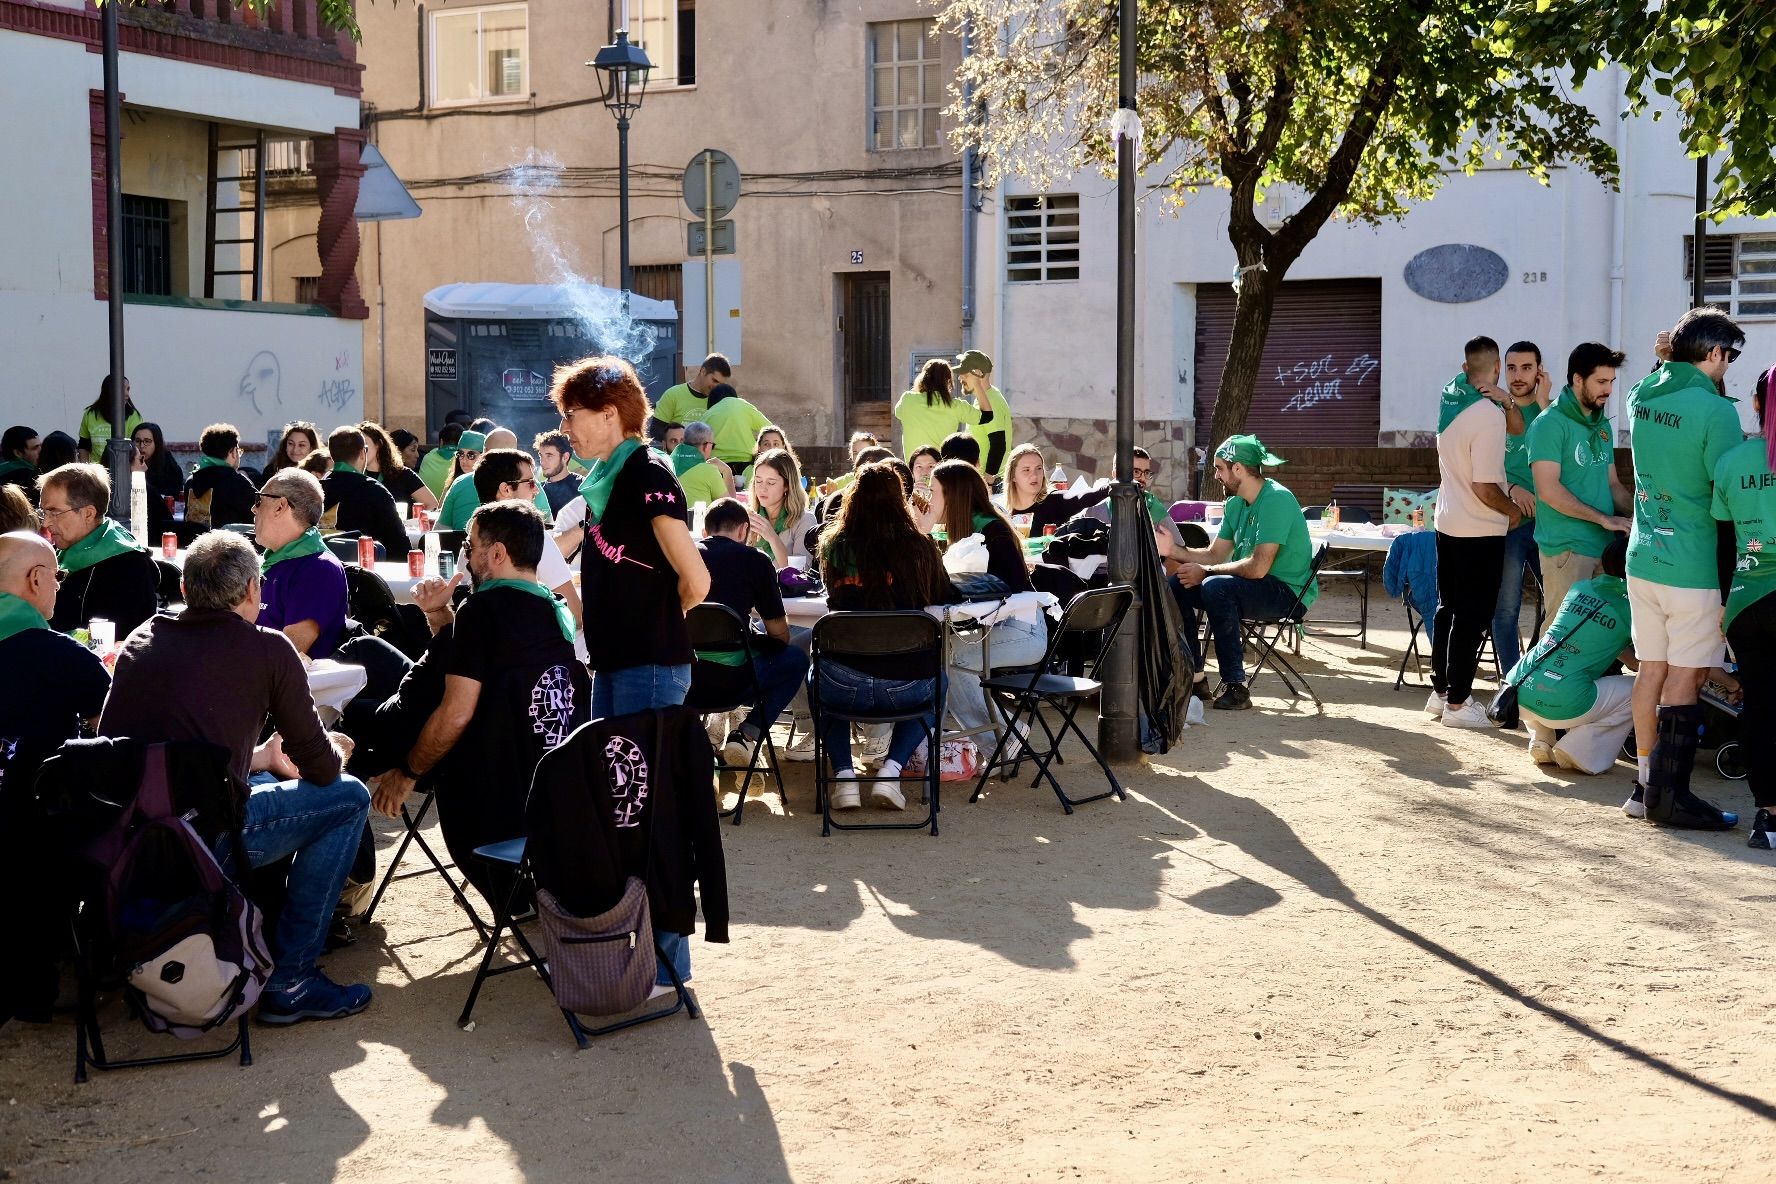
(1415, 624)
(1098, 611)
(844, 636)
(371, 603)
(720, 688)
(1356, 572)
(169, 588)
(412, 823)
(1265, 635)
(509, 857)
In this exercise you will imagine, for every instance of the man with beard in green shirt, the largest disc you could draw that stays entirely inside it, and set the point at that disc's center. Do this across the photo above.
(1580, 500)
(1680, 425)
(1527, 386)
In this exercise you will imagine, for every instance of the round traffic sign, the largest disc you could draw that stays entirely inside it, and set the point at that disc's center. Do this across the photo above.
(711, 192)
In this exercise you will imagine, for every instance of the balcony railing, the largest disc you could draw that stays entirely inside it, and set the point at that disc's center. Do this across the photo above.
(290, 27)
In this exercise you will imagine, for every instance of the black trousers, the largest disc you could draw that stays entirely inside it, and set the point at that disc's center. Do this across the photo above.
(1468, 575)
(1753, 638)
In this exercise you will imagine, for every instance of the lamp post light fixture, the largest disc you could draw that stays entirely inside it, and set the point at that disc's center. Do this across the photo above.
(625, 68)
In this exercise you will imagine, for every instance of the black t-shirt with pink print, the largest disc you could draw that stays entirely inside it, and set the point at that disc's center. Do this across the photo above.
(627, 586)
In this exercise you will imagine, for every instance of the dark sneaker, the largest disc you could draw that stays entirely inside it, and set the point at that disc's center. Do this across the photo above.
(1200, 688)
(1693, 813)
(316, 997)
(1233, 697)
(1761, 826)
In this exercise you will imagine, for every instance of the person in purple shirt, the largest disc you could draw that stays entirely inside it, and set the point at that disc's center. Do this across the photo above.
(303, 591)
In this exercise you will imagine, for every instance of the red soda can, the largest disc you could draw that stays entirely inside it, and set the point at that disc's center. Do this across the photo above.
(416, 564)
(169, 544)
(366, 552)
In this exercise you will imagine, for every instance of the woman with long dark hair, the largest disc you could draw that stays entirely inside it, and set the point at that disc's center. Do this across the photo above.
(385, 463)
(57, 449)
(931, 411)
(874, 557)
(95, 422)
(300, 438)
(166, 481)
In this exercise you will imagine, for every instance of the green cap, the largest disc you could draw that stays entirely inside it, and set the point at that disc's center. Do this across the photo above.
(974, 360)
(473, 442)
(1248, 451)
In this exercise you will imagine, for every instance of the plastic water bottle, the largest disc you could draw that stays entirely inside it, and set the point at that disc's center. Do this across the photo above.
(698, 512)
(139, 505)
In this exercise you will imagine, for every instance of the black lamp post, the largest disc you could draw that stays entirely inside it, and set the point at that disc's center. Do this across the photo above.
(625, 68)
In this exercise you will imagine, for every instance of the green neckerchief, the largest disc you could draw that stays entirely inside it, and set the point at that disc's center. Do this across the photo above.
(1458, 396)
(107, 540)
(685, 458)
(211, 462)
(778, 524)
(15, 466)
(340, 466)
(596, 488)
(307, 543)
(1568, 405)
(563, 617)
(17, 615)
(447, 451)
(980, 522)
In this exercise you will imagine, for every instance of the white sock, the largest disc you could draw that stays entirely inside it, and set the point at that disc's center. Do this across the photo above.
(1645, 765)
(889, 769)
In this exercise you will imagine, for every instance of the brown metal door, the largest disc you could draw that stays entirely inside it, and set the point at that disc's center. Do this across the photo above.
(664, 281)
(1320, 380)
(865, 347)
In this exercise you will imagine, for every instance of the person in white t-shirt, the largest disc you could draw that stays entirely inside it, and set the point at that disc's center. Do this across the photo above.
(1474, 512)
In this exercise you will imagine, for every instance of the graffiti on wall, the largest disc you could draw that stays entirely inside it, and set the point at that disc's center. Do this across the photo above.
(337, 392)
(262, 382)
(1323, 379)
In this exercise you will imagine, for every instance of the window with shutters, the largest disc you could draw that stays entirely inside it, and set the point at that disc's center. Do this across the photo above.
(1738, 272)
(480, 55)
(906, 86)
(1042, 237)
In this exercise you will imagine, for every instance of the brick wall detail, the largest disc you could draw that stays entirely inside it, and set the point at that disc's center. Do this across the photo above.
(338, 169)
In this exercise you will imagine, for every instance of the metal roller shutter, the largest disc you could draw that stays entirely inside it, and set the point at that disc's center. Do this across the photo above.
(1320, 381)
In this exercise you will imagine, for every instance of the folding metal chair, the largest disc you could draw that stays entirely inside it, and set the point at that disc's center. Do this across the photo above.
(843, 636)
(1415, 624)
(510, 858)
(1100, 611)
(718, 688)
(412, 822)
(1357, 573)
(1266, 634)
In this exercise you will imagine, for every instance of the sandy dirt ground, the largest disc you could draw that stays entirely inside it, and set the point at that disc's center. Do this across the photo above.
(1342, 946)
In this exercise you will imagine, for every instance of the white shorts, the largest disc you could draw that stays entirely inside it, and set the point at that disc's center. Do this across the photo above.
(1680, 626)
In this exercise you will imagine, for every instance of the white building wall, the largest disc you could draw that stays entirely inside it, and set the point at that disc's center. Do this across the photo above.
(188, 367)
(1056, 341)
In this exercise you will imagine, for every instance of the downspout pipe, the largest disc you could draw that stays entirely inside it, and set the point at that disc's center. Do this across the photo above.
(970, 208)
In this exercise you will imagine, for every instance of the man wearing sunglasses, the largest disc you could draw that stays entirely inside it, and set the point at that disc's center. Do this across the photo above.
(1680, 425)
(36, 715)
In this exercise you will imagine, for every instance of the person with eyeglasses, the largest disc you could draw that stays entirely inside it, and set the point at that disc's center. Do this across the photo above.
(1680, 425)
(355, 501)
(109, 573)
(304, 593)
(461, 499)
(504, 475)
(36, 715)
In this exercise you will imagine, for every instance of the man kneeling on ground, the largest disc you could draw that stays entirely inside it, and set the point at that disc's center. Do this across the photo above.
(210, 674)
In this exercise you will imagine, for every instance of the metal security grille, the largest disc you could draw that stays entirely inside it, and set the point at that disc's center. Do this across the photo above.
(1042, 237)
(147, 246)
(663, 281)
(865, 343)
(1739, 272)
(906, 86)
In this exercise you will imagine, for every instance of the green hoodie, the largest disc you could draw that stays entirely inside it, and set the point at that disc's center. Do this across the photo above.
(1517, 460)
(1680, 426)
(1580, 444)
(1558, 678)
(1458, 395)
(1745, 495)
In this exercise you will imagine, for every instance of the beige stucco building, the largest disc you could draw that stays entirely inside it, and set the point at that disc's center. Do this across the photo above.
(849, 230)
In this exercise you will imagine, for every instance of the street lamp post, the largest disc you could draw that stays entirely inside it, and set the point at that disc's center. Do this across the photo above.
(625, 68)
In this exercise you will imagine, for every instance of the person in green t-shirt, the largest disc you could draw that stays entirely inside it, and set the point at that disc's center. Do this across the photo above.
(931, 411)
(1563, 683)
(1526, 388)
(1680, 425)
(95, 422)
(993, 430)
(1745, 495)
(1580, 498)
(689, 400)
(1261, 565)
(702, 476)
(461, 501)
(736, 424)
(1157, 510)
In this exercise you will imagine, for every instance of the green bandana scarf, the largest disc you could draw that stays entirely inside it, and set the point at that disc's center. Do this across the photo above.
(17, 615)
(105, 542)
(596, 488)
(1248, 451)
(1458, 396)
(1568, 405)
(563, 617)
(307, 543)
(340, 466)
(685, 458)
(981, 521)
(211, 462)
(7, 468)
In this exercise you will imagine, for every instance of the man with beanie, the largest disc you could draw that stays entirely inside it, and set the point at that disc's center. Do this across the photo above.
(1474, 513)
(1258, 565)
(1680, 426)
(994, 431)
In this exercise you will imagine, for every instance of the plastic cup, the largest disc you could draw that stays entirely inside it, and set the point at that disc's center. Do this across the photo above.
(799, 562)
(401, 510)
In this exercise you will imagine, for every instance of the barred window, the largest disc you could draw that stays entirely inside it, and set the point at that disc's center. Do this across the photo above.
(1042, 237)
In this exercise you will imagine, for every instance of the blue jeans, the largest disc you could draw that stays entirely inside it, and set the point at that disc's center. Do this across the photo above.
(639, 688)
(780, 675)
(319, 825)
(847, 691)
(1015, 642)
(1228, 600)
(678, 952)
(1520, 552)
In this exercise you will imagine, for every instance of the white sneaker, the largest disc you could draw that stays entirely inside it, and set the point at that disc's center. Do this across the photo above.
(803, 749)
(844, 791)
(1541, 753)
(875, 742)
(1436, 705)
(1564, 760)
(1468, 715)
(1635, 806)
(884, 793)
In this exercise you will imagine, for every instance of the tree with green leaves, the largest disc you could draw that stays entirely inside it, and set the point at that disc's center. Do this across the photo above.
(1360, 104)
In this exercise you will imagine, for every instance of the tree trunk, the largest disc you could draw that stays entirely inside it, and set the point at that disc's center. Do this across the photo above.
(1252, 309)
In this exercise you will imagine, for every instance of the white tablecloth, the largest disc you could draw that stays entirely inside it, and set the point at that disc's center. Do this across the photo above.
(1355, 538)
(1027, 606)
(333, 685)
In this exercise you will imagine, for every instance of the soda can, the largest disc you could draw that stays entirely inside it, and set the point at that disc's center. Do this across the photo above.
(416, 564)
(446, 564)
(169, 544)
(366, 552)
